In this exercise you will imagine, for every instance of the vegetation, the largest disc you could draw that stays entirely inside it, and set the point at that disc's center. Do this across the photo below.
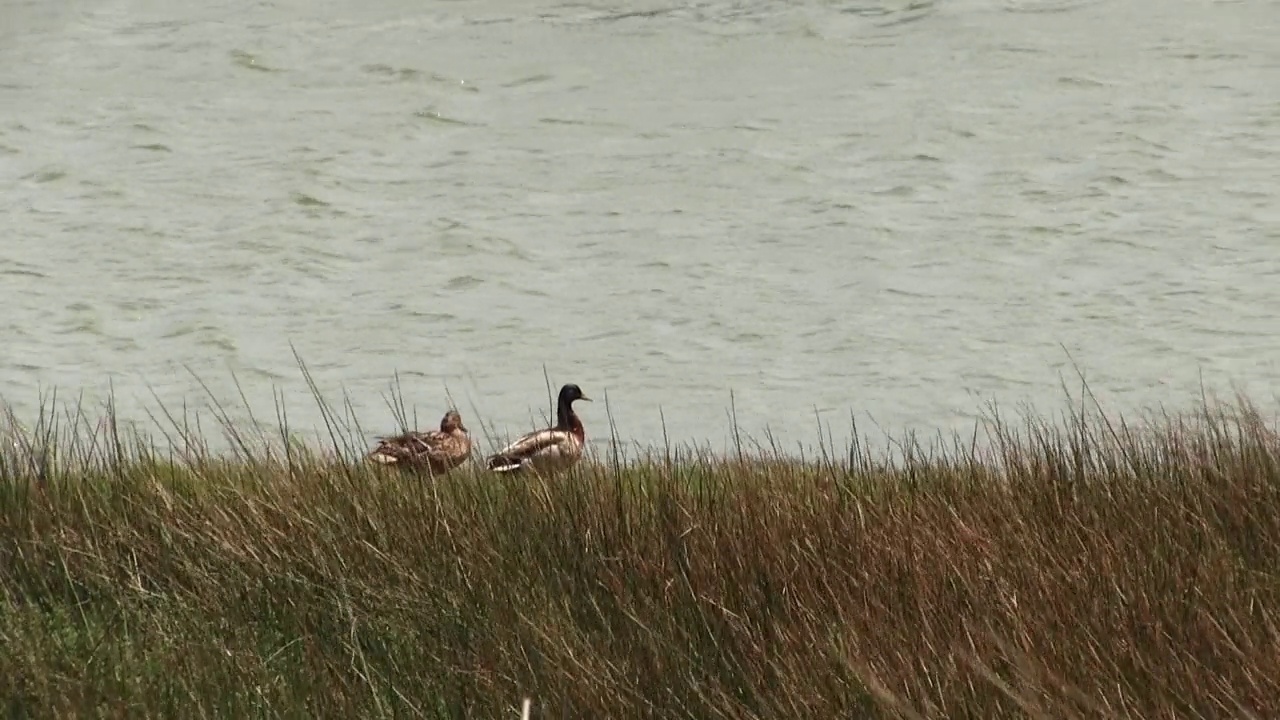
(1072, 569)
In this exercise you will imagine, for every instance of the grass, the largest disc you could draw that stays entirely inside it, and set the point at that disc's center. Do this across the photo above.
(1072, 569)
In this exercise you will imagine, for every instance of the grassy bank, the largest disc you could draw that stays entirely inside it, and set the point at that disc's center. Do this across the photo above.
(1078, 570)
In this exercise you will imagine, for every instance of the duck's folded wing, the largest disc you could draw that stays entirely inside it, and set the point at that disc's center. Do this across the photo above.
(532, 444)
(407, 444)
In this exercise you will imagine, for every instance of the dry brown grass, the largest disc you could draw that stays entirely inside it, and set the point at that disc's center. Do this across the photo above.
(1077, 570)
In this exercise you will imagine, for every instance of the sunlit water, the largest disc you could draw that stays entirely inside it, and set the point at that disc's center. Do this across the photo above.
(894, 211)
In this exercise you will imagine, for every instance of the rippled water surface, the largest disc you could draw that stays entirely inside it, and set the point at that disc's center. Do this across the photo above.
(897, 209)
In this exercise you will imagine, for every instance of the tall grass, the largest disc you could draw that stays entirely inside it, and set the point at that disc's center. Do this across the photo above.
(1085, 568)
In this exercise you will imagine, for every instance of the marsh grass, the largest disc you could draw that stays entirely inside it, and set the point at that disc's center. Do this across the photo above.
(1080, 568)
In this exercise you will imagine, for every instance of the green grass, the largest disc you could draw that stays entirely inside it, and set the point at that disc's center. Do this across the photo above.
(1076, 569)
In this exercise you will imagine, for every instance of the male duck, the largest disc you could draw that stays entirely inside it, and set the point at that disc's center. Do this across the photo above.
(440, 450)
(548, 451)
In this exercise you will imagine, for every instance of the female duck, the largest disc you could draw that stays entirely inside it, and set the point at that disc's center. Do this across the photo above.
(439, 450)
(549, 451)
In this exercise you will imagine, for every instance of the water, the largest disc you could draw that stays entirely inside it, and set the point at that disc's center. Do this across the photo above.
(899, 210)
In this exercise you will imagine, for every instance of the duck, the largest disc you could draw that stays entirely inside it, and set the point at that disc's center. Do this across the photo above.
(549, 451)
(438, 450)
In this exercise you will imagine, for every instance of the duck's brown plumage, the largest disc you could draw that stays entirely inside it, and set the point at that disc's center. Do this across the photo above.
(548, 451)
(438, 450)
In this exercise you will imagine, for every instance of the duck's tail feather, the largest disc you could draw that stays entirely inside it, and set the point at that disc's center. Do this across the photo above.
(383, 457)
(505, 464)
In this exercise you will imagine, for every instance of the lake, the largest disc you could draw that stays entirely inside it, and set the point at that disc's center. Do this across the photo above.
(896, 211)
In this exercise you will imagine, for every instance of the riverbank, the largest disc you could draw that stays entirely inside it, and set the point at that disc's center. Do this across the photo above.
(1084, 569)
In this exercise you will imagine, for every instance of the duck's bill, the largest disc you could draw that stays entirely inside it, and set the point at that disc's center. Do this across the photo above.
(584, 397)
